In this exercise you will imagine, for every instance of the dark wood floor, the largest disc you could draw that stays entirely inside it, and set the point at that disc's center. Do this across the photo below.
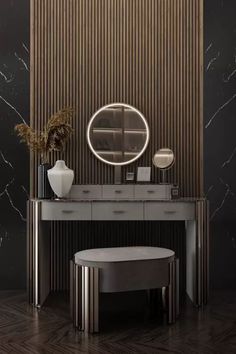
(124, 330)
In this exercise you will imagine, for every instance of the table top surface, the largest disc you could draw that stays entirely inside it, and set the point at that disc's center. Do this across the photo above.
(68, 200)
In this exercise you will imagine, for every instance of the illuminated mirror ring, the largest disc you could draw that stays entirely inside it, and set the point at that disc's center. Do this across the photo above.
(118, 134)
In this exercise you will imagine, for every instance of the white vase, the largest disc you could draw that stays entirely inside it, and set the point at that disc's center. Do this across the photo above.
(60, 178)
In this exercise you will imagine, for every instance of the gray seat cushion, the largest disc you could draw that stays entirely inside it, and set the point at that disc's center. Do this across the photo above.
(128, 268)
(98, 256)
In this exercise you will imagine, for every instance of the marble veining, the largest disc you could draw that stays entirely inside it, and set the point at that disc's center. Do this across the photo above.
(228, 192)
(209, 65)
(13, 108)
(22, 61)
(5, 160)
(226, 78)
(3, 235)
(228, 161)
(230, 70)
(25, 191)
(209, 191)
(25, 47)
(5, 190)
(7, 79)
(219, 110)
(208, 48)
(7, 193)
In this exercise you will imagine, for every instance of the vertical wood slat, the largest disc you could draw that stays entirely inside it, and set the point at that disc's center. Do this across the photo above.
(147, 53)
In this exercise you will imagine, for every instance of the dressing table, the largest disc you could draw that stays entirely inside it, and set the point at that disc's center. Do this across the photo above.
(122, 142)
(115, 203)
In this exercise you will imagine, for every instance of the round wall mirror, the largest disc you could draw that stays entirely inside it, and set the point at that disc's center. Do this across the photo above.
(118, 134)
(164, 159)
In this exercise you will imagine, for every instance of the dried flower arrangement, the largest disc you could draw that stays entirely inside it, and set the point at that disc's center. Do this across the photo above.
(54, 136)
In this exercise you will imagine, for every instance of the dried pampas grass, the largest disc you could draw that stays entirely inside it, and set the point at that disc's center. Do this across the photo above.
(56, 133)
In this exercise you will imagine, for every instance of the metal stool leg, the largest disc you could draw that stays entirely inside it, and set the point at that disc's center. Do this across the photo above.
(172, 292)
(76, 294)
(177, 286)
(84, 297)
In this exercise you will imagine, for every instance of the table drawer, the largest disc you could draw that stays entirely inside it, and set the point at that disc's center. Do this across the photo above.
(66, 211)
(152, 192)
(117, 192)
(169, 211)
(86, 192)
(117, 211)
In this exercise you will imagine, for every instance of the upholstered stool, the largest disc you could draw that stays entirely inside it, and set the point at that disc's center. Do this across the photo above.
(119, 269)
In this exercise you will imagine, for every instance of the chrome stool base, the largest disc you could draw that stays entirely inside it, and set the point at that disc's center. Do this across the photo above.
(84, 296)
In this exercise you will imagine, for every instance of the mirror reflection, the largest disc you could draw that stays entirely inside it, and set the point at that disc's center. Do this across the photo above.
(118, 134)
(164, 158)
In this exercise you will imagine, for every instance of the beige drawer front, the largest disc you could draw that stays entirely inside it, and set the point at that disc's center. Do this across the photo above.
(169, 211)
(66, 211)
(86, 192)
(152, 192)
(117, 192)
(117, 211)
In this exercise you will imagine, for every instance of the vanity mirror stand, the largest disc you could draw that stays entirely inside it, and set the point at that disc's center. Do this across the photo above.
(163, 159)
(118, 175)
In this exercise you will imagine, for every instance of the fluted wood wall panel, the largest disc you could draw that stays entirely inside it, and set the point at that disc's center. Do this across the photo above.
(147, 53)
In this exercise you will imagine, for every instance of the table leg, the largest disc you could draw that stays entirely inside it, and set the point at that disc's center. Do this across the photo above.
(197, 255)
(191, 260)
(38, 256)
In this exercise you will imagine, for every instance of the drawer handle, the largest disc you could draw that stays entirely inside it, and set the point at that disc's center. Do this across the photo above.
(68, 211)
(86, 191)
(118, 192)
(118, 211)
(151, 192)
(170, 211)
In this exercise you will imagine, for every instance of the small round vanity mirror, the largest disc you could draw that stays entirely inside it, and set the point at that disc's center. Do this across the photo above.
(118, 134)
(164, 159)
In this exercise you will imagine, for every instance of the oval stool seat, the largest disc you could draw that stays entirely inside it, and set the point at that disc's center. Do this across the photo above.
(122, 254)
(128, 268)
(119, 269)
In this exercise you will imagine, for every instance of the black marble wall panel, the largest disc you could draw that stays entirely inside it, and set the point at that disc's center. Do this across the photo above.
(220, 142)
(14, 171)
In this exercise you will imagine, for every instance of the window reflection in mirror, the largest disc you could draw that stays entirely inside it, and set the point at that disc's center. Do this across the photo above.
(118, 134)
